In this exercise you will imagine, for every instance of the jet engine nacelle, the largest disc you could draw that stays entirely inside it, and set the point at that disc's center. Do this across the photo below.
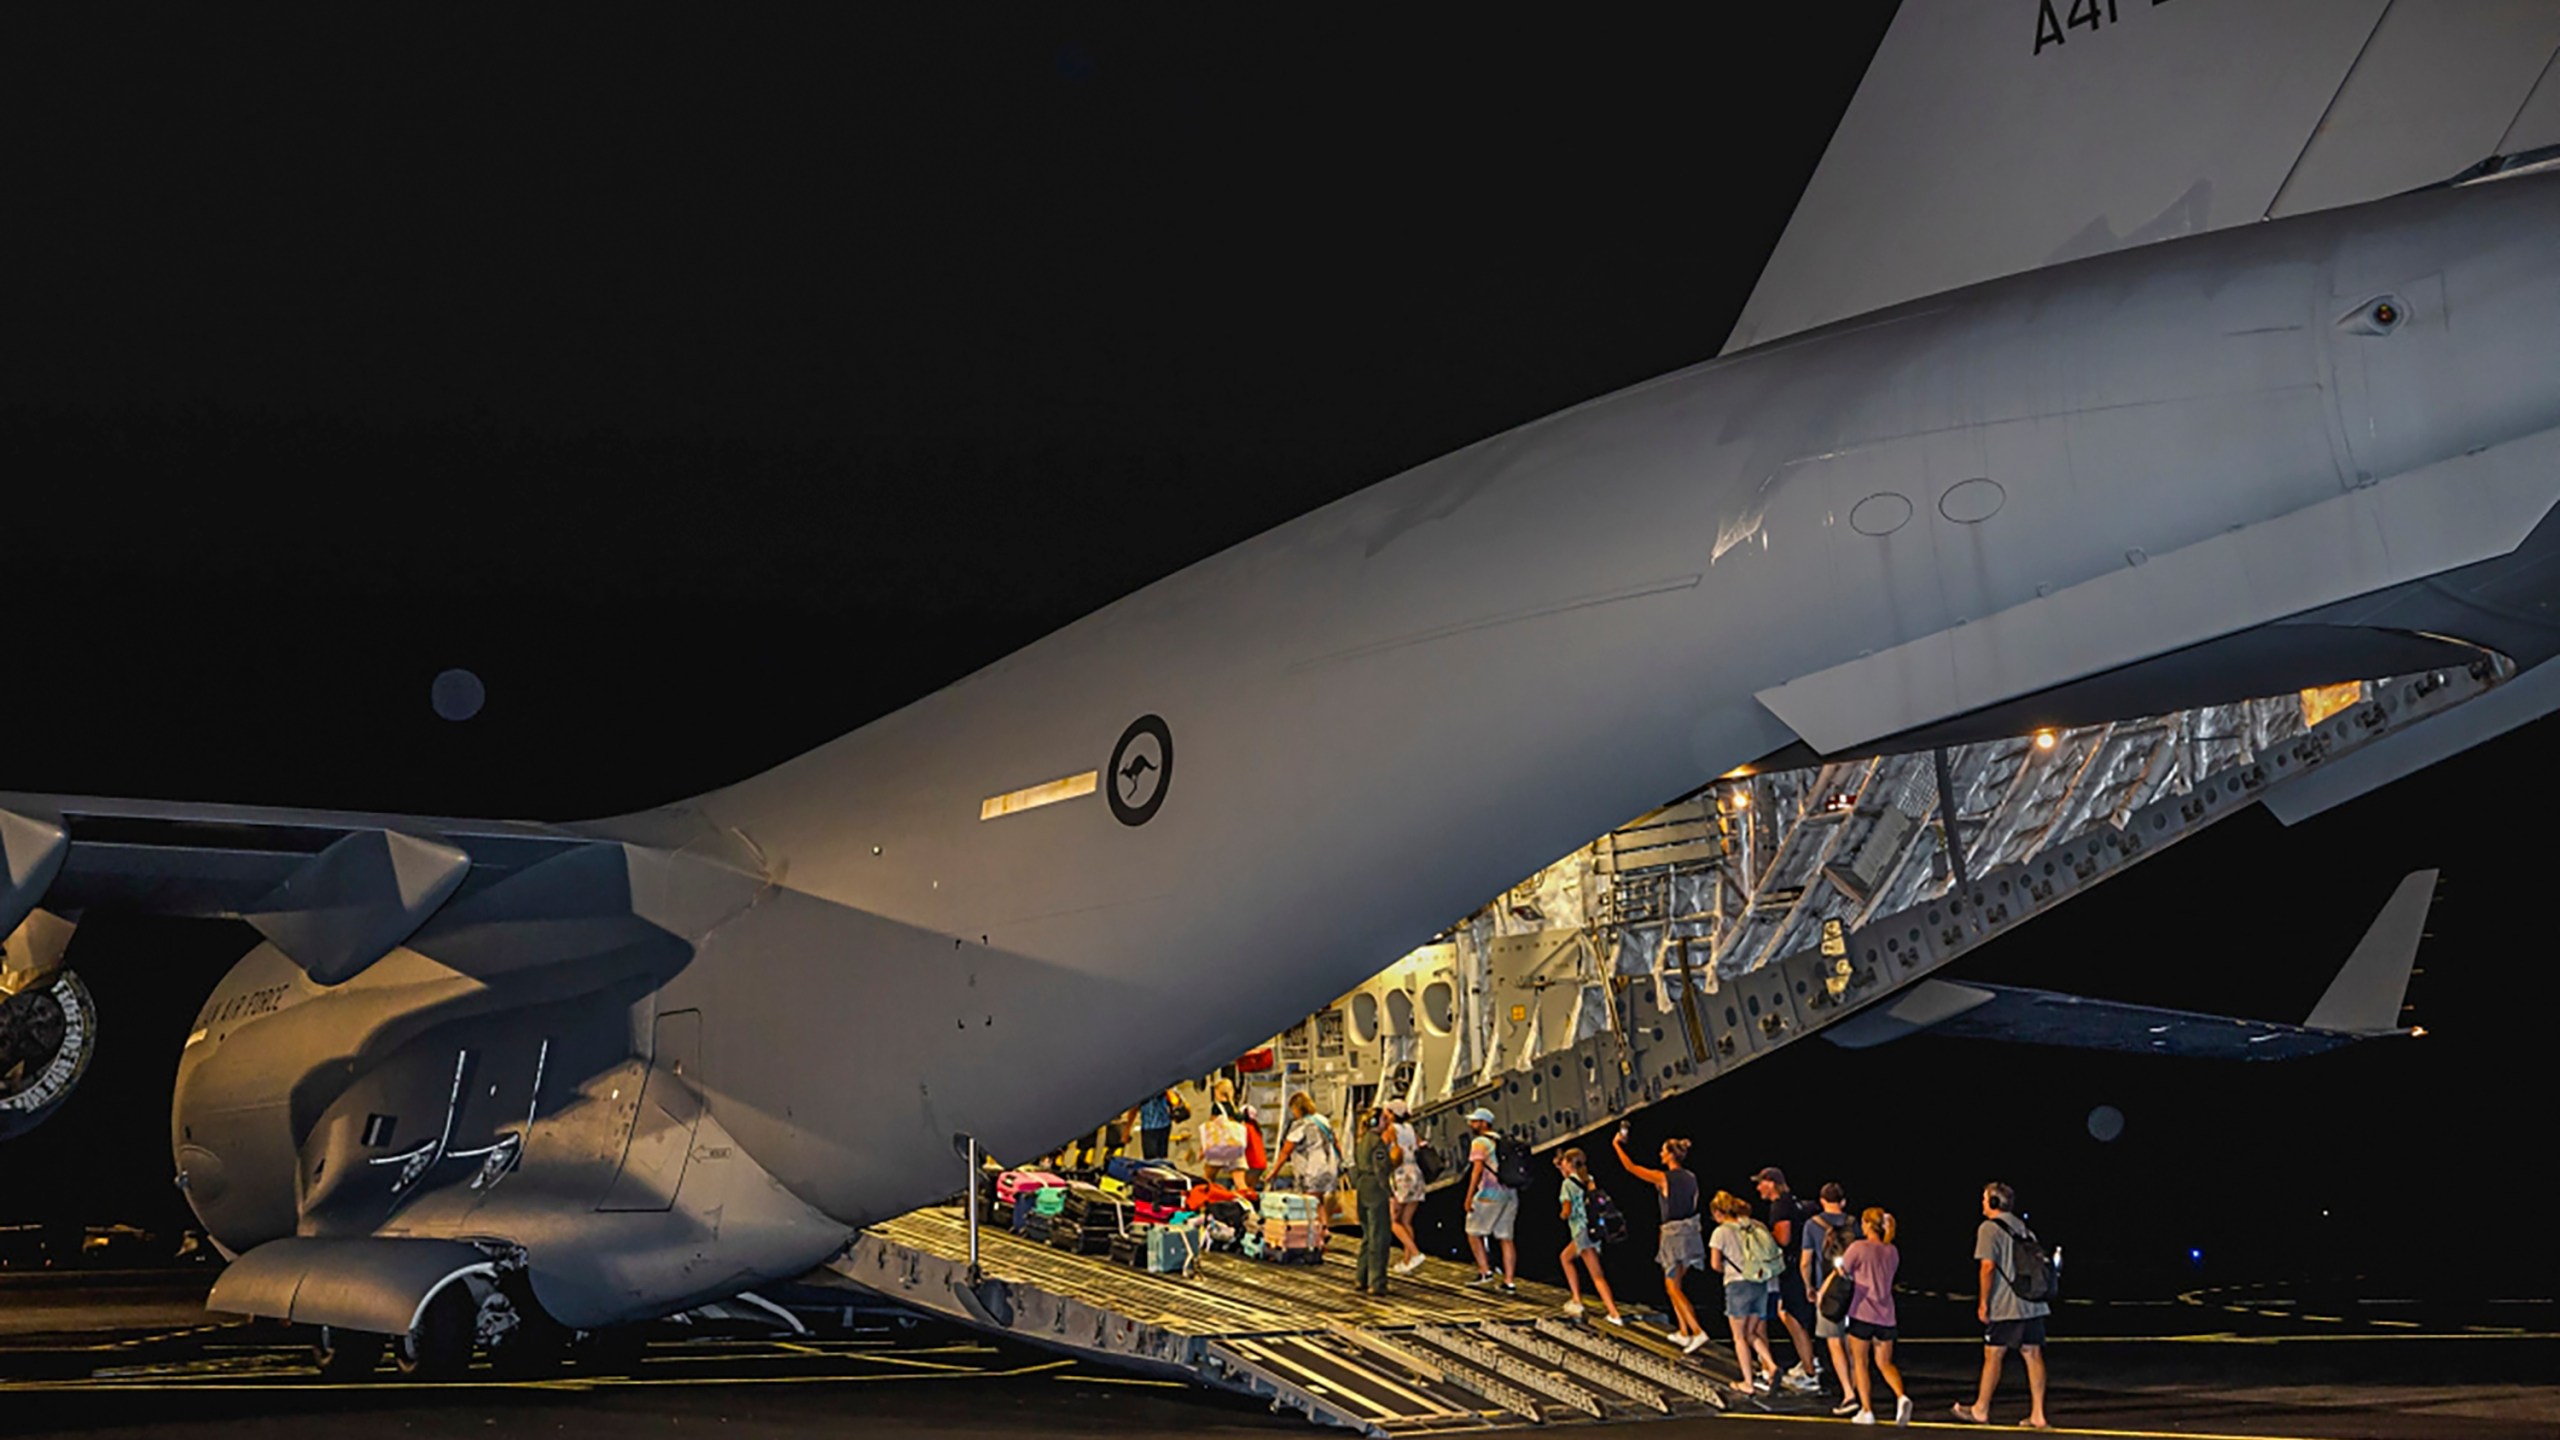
(48, 1031)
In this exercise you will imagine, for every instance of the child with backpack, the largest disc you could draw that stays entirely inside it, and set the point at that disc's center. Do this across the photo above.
(1496, 1172)
(1586, 1214)
(1748, 1258)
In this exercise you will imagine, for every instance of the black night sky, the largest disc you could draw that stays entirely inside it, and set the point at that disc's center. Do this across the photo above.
(712, 381)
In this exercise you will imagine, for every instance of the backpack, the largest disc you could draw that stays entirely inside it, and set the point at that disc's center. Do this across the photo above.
(2037, 1276)
(1511, 1162)
(1428, 1159)
(1761, 1259)
(1606, 1219)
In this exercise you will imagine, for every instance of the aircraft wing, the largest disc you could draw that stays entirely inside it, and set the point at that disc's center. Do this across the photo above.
(334, 889)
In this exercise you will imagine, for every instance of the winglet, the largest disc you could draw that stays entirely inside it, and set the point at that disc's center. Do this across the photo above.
(2365, 998)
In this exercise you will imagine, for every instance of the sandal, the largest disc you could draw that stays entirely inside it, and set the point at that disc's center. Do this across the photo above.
(1965, 1414)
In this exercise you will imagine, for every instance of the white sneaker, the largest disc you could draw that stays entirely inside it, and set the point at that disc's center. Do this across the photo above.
(1689, 1343)
(1848, 1406)
(1864, 1417)
(1619, 1320)
(1902, 1410)
(1410, 1266)
(1573, 1309)
(1800, 1383)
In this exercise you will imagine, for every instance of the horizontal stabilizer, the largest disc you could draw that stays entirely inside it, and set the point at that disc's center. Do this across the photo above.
(2076, 1022)
(2364, 1001)
(2366, 997)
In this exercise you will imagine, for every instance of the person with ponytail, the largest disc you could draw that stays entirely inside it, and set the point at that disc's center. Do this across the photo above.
(1869, 1263)
(1683, 1246)
(1584, 1246)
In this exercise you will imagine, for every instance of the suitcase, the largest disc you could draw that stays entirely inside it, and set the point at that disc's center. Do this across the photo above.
(1049, 1201)
(1288, 1205)
(1130, 1250)
(1231, 1213)
(1172, 1249)
(1252, 1246)
(1013, 1182)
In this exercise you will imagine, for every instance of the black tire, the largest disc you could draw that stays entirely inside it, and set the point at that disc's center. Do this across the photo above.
(438, 1347)
(347, 1354)
(536, 1348)
(613, 1351)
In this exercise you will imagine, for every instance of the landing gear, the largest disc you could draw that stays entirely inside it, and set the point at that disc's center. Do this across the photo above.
(615, 1351)
(438, 1347)
(531, 1348)
(347, 1354)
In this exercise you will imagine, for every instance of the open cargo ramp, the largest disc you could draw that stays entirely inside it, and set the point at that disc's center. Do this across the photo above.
(1434, 1355)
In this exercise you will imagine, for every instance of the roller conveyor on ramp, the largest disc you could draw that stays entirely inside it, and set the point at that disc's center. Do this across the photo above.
(1433, 1355)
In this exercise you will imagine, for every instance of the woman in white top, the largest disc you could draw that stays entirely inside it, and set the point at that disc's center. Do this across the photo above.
(1310, 1141)
(1406, 1194)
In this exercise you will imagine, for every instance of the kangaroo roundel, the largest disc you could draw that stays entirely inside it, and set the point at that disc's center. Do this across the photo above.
(1141, 770)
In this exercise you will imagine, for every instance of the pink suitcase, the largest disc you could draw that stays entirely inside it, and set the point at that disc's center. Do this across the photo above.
(1013, 1182)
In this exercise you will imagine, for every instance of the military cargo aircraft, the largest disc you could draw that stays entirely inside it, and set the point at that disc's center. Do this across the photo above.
(2117, 358)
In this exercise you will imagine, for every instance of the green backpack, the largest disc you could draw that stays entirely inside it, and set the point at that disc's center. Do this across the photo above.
(1760, 1258)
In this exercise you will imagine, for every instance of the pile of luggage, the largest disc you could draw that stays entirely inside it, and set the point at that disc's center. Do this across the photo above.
(1088, 1219)
(1030, 1201)
(1146, 1215)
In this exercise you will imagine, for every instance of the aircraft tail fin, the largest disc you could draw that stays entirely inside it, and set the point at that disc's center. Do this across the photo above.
(1992, 137)
(2366, 997)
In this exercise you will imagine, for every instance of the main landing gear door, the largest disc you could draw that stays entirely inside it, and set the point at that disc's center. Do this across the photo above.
(662, 1133)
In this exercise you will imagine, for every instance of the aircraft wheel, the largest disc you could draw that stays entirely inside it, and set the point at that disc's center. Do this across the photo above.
(438, 1347)
(535, 1348)
(614, 1351)
(347, 1354)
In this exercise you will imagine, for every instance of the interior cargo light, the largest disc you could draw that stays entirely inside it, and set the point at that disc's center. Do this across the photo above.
(2044, 739)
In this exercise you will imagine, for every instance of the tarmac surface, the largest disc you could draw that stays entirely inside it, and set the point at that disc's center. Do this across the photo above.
(112, 1355)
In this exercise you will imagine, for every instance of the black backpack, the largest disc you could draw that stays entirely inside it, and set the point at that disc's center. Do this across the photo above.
(1607, 1220)
(2035, 1274)
(1511, 1162)
(1427, 1159)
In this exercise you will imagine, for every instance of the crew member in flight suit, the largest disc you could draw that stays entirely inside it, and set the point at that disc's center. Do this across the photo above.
(1373, 1185)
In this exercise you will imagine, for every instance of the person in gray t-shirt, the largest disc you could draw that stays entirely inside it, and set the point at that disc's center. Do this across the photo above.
(2009, 1322)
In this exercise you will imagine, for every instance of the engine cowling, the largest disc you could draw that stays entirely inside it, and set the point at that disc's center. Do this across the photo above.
(48, 1032)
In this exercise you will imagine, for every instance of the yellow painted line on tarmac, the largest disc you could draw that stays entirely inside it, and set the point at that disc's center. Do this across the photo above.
(2013, 1429)
(2225, 1337)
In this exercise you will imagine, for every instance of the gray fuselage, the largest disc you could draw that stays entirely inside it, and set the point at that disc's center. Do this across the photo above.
(1386, 710)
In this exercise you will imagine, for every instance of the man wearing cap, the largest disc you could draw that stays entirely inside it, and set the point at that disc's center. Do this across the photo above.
(1788, 1215)
(1493, 1208)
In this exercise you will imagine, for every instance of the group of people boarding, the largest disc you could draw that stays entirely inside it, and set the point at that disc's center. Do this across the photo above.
(1825, 1274)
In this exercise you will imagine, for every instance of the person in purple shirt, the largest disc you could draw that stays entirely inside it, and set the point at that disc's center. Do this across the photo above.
(1869, 1264)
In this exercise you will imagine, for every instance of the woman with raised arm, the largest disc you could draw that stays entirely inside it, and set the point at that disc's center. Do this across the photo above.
(1683, 1246)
